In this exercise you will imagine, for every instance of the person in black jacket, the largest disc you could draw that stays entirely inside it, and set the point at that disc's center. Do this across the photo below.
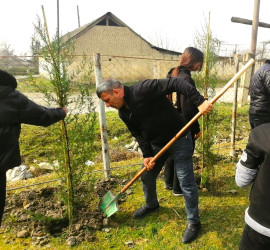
(254, 168)
(191, 60)
(259, 110)
(15, 109)
(153, 121)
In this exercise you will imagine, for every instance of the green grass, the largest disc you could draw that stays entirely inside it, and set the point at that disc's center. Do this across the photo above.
(222, 217)
(221, 82)
(29, 84)
(36, 84)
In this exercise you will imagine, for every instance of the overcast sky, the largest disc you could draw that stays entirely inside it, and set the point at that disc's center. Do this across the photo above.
(173, 20)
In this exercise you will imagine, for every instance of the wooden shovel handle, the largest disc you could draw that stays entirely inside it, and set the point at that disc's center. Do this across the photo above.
(234, 79)
(196, 117)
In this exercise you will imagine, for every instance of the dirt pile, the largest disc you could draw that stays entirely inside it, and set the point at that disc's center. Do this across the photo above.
(41, 215)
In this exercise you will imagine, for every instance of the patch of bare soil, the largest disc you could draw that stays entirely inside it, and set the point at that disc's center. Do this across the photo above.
(41, 215)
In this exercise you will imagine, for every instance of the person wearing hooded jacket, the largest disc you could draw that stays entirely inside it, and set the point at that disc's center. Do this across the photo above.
(253, 168)
(15, 109)
(259, 109)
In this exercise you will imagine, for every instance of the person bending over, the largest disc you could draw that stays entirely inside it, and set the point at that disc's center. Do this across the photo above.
(153, 121)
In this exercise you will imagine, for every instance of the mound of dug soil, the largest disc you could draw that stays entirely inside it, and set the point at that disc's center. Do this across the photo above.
(41, 215)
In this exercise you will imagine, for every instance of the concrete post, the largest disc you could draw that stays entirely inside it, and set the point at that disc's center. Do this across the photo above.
(102, 120)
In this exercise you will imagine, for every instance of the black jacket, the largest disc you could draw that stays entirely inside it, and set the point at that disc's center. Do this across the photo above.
(260, 91)
(254, 167)
(15, 108)
(151, 118)
(183, 103)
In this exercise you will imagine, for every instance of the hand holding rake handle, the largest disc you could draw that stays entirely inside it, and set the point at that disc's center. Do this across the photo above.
(196, 117)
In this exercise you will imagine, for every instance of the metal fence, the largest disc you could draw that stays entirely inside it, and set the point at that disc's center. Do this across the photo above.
(134, 69)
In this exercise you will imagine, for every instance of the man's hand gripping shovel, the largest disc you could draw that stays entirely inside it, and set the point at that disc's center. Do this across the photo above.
(108, 203)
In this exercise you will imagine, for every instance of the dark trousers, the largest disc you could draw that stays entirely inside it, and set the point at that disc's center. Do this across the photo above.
(257, 120)
(171, 179)
(3, 182)
(252, 240)
(170, 176)
(181, 152)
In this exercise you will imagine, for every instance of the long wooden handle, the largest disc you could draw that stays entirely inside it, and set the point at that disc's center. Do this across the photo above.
(234, 79)
(195, 118)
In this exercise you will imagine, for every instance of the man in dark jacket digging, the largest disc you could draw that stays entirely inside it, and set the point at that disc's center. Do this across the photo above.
(153, 121)
(259, 110)
(254, 168)
(15, 109)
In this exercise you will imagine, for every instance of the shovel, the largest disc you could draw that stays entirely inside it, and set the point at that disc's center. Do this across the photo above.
(108, 203)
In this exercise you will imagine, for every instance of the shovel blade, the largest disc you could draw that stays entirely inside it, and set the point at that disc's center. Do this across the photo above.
(108, 203)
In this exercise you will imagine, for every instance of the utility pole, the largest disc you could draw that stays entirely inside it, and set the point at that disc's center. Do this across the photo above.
(78, 14)
(248, 22)
(255, 24)
(58, 24)
(245, 80)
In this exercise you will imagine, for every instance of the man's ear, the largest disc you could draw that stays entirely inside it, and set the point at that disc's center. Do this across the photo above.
(116, 92)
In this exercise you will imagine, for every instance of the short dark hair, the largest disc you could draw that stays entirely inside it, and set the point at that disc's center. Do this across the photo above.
(7, 79)
(108, 86)
(267, 61)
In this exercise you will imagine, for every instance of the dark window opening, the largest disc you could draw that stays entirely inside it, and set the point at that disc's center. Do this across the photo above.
(103, 22)
(108, 22)
(112, 23)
